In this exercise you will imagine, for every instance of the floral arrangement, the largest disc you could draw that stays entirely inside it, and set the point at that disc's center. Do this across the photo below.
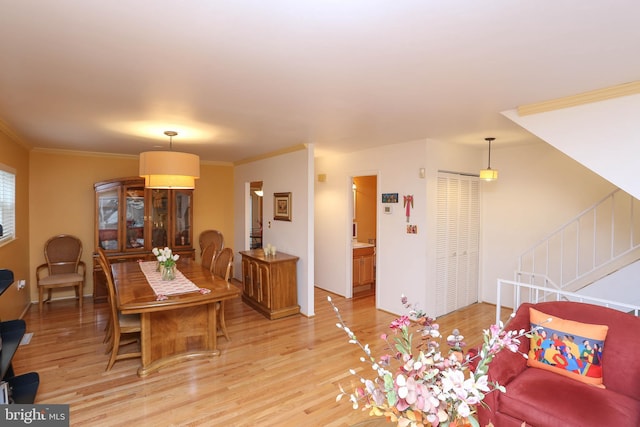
(427, 387)
(165, 257)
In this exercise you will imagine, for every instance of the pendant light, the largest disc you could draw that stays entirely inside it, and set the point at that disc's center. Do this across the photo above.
(169, 169)
(489, 174)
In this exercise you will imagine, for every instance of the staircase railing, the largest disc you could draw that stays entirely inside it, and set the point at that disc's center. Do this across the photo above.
(523, 292)
(598, 236)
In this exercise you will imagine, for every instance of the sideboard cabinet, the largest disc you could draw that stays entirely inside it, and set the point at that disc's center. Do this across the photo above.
(131, 220)
(270, 283)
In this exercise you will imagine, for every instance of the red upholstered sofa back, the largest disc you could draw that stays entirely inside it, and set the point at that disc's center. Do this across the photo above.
(620, 370)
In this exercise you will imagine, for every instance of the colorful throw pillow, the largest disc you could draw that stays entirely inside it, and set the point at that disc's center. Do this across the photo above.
(566, 347)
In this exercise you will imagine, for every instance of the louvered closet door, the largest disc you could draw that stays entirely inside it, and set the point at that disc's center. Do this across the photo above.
(457, 253)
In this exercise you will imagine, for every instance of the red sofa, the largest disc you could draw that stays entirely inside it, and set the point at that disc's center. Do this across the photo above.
(546, 399)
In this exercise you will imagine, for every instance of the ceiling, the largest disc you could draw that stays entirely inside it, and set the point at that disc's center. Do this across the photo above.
(239, 78)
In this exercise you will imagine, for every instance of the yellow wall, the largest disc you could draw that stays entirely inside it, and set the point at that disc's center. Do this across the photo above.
(15, 255)
(62, 201)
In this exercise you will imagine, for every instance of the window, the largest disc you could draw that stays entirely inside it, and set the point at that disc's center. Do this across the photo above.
(7, 204)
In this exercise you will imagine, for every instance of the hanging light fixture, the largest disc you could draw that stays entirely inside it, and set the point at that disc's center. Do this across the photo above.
(489, 174)
(169, 169)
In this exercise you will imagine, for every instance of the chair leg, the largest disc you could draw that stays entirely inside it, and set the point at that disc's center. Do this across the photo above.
(40, 298)
(223, 325)
(115, 347)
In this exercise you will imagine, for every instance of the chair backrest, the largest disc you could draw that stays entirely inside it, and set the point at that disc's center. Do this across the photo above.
(208, 255)
(211, 237)
(111, 289)
(62, 253)
(102, 255)
(222, 264)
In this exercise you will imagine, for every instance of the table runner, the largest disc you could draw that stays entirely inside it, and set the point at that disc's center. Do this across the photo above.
(179, 285)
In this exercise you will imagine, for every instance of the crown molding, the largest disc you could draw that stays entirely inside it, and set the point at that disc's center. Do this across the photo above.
(5, 129)
(625, 89)
(271, 154)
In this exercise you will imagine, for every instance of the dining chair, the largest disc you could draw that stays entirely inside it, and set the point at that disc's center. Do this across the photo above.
(208, 237)
(222, 269)
(208, 255)
(104, 260)
(123, 326)
(63, 267)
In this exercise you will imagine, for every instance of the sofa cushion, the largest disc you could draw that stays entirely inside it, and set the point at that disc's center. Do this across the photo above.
(545, 399)
(566, 347)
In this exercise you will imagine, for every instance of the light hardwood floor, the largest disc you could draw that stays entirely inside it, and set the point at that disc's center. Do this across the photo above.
(273, 373)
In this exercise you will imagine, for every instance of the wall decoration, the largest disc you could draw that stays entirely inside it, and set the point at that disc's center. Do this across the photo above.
(412, 229)
(282, 206)
(388, 209)
(389, 197)
(408, 204)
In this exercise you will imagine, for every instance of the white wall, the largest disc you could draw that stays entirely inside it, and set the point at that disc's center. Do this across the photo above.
(538, 190)
(602, 135)
(290, 172)
(405, 262)
(619, 286)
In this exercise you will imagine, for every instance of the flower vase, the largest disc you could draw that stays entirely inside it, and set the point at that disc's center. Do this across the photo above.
(167, 273)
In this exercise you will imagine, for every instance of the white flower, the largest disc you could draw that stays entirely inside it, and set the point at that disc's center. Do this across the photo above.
(463, 410)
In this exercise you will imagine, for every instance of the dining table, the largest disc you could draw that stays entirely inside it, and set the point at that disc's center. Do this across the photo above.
(178, 322)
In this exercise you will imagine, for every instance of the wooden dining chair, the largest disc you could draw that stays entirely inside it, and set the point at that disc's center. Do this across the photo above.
(222, 264)
(63, 267)
(123, 326)
(208, 255)
(211, 237)
(104, 260)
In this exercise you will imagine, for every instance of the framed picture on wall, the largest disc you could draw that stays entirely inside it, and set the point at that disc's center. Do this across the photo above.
(282, 206)
(389, 197)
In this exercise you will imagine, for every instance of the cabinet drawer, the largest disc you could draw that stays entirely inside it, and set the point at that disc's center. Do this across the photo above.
(358, 252)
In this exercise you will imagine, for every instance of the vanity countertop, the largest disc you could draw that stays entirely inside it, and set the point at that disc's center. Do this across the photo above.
(357, 245)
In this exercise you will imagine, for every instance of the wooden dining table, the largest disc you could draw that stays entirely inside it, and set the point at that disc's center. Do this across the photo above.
(174, 328)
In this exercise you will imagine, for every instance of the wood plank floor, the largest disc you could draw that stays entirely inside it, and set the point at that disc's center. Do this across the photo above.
(273, 373)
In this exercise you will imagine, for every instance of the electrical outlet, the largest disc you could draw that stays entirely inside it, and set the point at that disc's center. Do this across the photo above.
(22, 284)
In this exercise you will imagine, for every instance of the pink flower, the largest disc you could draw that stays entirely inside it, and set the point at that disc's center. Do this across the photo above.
(399, 323)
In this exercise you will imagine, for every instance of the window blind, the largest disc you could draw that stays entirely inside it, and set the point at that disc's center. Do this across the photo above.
(7, 203)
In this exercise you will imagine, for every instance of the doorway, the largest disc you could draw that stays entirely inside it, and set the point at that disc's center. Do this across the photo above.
(255, 203)
(364, 234)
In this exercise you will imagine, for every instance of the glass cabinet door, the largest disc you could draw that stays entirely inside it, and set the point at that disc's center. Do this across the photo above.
(134, 215)
(182, 226)
(159, 217)
(108, 216)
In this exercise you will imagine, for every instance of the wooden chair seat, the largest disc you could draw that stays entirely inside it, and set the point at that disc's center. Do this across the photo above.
(129, 323)
(61, 279)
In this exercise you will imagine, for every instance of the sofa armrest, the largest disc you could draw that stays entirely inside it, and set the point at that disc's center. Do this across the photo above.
(506, 365)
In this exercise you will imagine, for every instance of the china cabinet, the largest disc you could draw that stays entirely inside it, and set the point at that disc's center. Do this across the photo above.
(130, 220)
(270, 283)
